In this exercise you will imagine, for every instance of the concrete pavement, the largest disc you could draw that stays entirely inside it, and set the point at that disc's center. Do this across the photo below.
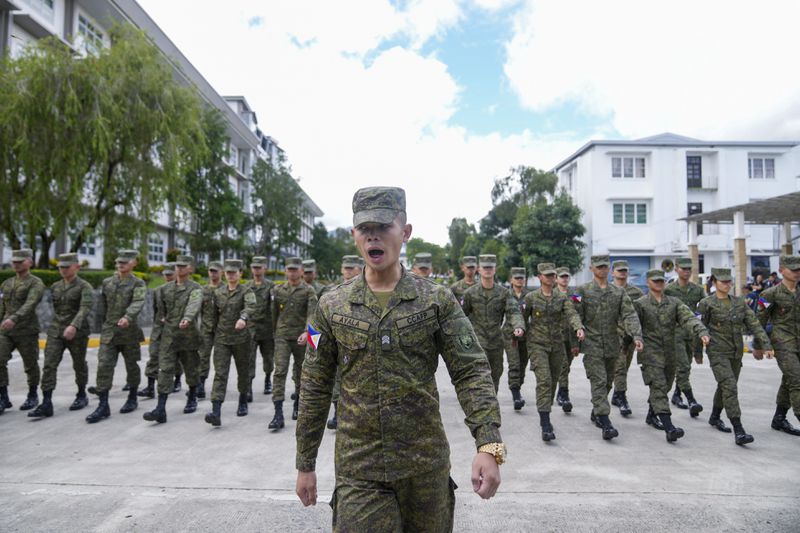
(124, 474)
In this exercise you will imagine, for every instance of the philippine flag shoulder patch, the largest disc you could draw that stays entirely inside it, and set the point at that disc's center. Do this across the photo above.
(763, 303)
(313, 336)
(576, 297)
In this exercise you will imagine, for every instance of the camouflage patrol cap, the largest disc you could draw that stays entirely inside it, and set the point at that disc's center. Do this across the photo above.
(65, 260)
(469, 260)
(546, 268)
(684, 262)
(215, 265)
(184, 260)
(258, 261)
(423, 259)
(125, 256)
(722, 274)
(487, 260)
(563, 271)
(169, 268)
(655, 274)
(792, 262)
(309, 265)
(619, 264)
(518, 272)
(293, 262)
(378, 204)
(351, 261)
(601, 260)
(233, 265)
(21, 255)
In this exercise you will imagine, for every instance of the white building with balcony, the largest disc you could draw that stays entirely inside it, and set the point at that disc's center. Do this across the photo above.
(633, 194)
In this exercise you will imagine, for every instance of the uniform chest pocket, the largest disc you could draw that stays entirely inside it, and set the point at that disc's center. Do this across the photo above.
(349, 339)
(419, 336)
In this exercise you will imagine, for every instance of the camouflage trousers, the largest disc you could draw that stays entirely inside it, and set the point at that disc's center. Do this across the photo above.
(54, 352)
(726, 372)
(547, 361)
(516, 351)
(789, 391)
(151, 370)
(495, 357)
(623, 365)
(267, 347)
(222, 367)
(423, 503)
(286, 349)
(659, 380)
(107, 360)
(28, 348)
(563, 378)
(170, 361)
(337, 384)
(600, 371)
(686, 348)
(206, 345)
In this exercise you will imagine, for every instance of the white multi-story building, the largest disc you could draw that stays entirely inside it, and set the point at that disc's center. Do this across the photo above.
(633, 194)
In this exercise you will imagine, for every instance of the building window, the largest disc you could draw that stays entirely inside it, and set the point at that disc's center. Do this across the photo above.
(630, 213)
(627, 167)
(694, 172)
(45, 8)
(155, 248)
(760, 168)
(233, 154)
(92, 36)
(695, 208)
(89, 246)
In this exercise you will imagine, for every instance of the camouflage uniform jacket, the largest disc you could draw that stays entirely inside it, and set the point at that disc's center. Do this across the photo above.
(207, 315)
(508, 329)
(158, 313)
(660, 321)
(487, 313)
(727, 323)
(567, 331)
(389, 420)
(545, 317)
(634, 293)
(292, 309)
(18, 301)
(459, 288)
(603, 312)
(261, 321)
(122, 297)
(72, 303)
(181, 302)
(318, 288)
(690, 295)
(229, 307)
(783, 311)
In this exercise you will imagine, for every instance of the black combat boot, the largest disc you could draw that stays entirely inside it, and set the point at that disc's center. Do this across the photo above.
(624, 407)
(277, 420)
(564, 400)
(149, 391)
(93, 390)
(519, 402)
(31, 401)
(295, 395)
(673, 433)
(44, 409)
(267, 385)
(102, 411)
(126, 388)
(242, 410)
(159, 414)
(131, 403)
(4, 398)
(191, 401)
(176, 387)
(741, 437)
(547, 428)
(653, 420)
(250, 393)
(80, 401)
(677, 401)
(694, 407)
(201, 387)
(609, 432)
(715, 421)
(595, 419)
(780, 423)
(295, 408)
(333, 423)
(615, 399)
(215, 417)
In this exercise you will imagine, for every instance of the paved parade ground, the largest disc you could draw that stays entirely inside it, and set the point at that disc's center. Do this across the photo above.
(125, 474)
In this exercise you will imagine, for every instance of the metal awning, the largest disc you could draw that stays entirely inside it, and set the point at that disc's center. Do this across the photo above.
(776, 210)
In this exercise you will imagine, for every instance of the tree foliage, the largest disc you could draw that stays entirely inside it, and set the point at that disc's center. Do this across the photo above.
(438, 253)
(327, 249)
(459, 231)
(277, 207)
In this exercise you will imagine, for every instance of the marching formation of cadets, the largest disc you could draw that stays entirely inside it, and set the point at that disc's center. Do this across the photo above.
(607, 321)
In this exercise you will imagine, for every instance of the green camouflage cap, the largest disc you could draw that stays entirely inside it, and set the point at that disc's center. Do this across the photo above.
(601, 260)
(518, 272)
(215, 265)
(546, 268)
(184, 260)
(561, 271)
(469, 260)
(378, 204)
(233, 265)
(722, 274)
(619, 264)
(125, 256)
(792, 262)
(683, 262)
(423, 259)
(309, 265)
(294, 262)
(259, 261)
(351, 261)
(65, 260)
(21, 255)
(487, 260)
(656, 274)
(169, 268)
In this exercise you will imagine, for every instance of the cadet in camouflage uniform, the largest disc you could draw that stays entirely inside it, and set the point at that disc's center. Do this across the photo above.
(660, 315)
(688, 348)
(19, 327)
(729, 318)
(69, 330)
(234, 304)
(180, 337)
(151, 369)
(486, 304)
(384, 329)
(261, 324)
(544, 313)
(571, 344)
(207, 325)
(310, 276)
(293, 305)
(423, 265)
(604, 309)
(122, 296)
(516, 348)
(780, 306)
(619, 270)
(469, 266)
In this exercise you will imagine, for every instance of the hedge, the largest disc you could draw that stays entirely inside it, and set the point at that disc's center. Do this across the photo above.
(94, 277)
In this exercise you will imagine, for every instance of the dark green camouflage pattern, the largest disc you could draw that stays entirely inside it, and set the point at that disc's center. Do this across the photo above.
(122, 297)
(783, 313)
(18, 301)
(292, 309)
(229, 307)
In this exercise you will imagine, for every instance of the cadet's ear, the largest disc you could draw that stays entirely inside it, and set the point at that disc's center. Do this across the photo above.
(407, 232)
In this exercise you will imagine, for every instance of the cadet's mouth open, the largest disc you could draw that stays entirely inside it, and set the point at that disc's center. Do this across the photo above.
(375, 253)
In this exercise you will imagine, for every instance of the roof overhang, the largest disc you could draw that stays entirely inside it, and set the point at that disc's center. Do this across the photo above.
(770, 211)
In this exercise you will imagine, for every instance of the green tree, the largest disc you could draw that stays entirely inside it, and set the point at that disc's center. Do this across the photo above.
(327, 249)
(438, 254)
(277, 207)
(459, 231)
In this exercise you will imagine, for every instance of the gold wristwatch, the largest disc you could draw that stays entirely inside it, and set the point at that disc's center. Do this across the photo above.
(498, 449)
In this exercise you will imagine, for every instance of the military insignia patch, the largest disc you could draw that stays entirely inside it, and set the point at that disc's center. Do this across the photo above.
(386, 340)
(466, 341)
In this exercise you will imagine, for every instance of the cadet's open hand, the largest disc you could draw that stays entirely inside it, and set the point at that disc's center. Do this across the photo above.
(123, 322)
(639, 345)
(184, 324)
(301, 340)
(69, 333)
(240, 325)
(705, 339)
(485, 475)
(580, 334)
(758, 354)
(769, 353)
(306, 487)
(7, 324)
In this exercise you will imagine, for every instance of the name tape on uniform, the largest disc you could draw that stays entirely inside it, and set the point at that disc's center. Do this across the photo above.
(416, 318)
(350, 322)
